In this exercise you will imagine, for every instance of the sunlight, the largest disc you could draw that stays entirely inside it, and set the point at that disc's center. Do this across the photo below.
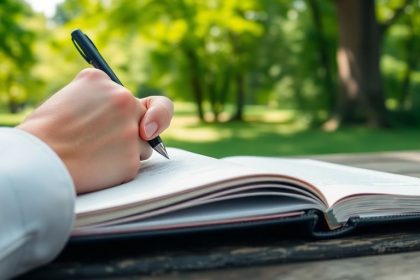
(47, 7)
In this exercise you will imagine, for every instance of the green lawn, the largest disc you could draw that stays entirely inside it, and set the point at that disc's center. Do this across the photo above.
(7, 119)
(264, 139)
(271, 133)
(278, 133)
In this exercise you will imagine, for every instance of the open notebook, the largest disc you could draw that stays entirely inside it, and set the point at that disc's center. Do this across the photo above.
(191, 191)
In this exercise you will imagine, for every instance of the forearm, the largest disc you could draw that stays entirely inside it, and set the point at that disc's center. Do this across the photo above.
(36, 203)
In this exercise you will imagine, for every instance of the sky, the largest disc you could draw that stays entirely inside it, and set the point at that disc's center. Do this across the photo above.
(45, 6)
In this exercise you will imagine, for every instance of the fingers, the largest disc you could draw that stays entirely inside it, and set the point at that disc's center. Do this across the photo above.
(92, 73)
(145, 150)
(157, 117)
(154, 113)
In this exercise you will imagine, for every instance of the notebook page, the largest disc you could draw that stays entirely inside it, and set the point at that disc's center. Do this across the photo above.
(159, 178)
(333, 180)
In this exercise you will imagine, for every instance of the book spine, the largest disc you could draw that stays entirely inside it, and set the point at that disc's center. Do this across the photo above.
(331, 219)
(326, 225)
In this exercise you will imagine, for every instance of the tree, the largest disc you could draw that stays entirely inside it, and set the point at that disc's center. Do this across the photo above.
(411, 46)
(209, 45)
(15, 52)
(323, 52)
(361, 98)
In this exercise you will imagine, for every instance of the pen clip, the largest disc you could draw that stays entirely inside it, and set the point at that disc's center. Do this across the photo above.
(81, 51)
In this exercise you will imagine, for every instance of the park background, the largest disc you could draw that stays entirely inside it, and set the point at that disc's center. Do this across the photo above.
(261, 77)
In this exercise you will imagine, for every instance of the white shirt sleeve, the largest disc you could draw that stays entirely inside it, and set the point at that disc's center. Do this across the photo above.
(37, 200)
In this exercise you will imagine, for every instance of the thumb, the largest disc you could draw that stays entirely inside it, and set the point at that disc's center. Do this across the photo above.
(157, 117)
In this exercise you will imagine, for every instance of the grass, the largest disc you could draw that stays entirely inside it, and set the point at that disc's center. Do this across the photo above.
(8, 119)
(279, 133)
(266, 141)
(271, 133)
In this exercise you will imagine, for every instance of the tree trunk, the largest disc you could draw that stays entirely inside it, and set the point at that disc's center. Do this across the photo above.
(195, 82)
(329, 87)
(238, 78)
(211, 87)
(223, 90)
(240, 97)
(12, 105)
(361, 96)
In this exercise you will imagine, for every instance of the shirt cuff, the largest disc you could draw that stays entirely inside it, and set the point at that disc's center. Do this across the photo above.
(37, 199)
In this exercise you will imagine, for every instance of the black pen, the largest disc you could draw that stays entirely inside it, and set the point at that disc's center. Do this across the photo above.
(91, 54)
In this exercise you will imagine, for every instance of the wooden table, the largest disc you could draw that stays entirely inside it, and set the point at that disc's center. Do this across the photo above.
(384, 252)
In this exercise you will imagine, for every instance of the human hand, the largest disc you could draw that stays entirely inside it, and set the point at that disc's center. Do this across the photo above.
(98, 129)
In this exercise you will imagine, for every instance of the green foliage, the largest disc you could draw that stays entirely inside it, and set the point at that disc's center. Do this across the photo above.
(213, 52)
(218, 43)
(401, 63)
(16, 55)
(202, 45)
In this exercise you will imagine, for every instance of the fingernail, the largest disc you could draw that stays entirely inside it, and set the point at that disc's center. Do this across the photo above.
(151, 129)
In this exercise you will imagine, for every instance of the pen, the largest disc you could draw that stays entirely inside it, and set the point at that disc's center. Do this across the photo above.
(91, 54)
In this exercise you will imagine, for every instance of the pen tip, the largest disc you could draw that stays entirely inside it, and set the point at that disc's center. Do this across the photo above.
(160, 148)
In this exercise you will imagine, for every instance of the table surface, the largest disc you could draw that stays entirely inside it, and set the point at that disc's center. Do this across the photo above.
(386, 252)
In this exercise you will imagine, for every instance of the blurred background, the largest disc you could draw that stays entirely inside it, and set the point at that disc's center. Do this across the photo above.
(261, 77)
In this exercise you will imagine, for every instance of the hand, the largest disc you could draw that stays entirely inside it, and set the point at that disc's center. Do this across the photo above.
(98, 128)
